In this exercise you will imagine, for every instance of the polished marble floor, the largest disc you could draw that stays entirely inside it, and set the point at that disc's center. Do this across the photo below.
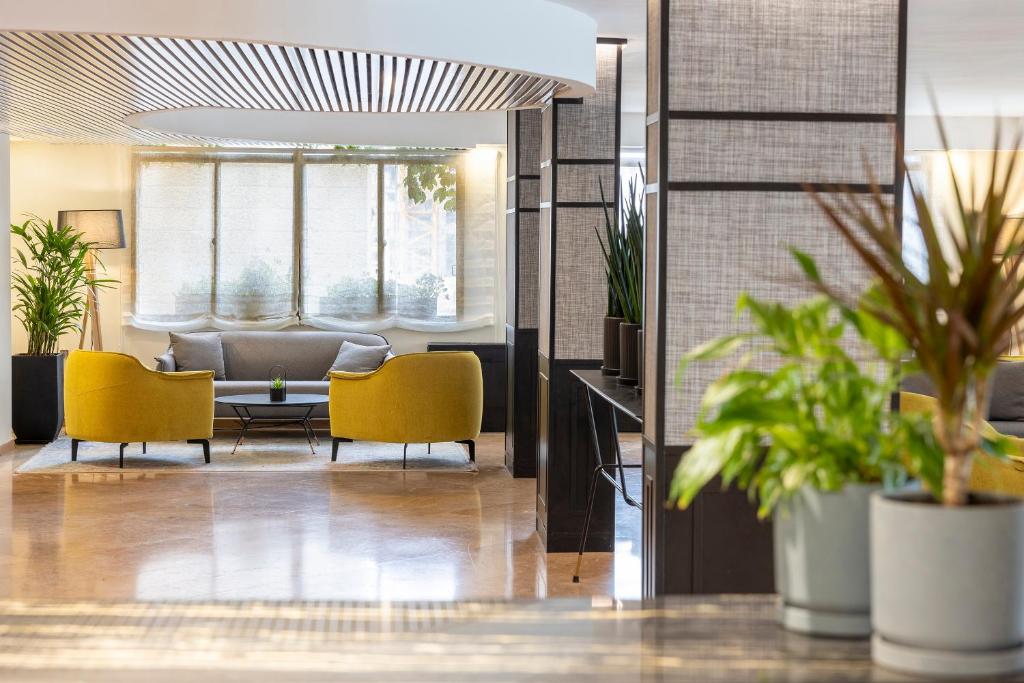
(691, 639)
(292, 536)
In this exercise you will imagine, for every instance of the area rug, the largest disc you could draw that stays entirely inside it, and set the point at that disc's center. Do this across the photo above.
(263, 453)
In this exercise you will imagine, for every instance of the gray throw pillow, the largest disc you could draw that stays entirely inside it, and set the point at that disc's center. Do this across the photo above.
(1007, 402)
(359, 358)
(198, 351)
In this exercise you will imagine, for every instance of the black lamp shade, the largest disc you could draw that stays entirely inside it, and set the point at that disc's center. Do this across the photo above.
(103, 227)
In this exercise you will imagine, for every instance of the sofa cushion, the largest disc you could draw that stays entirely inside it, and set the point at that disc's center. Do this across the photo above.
(305, 354)
(1007, 402)
(357, 358)
(198, 351)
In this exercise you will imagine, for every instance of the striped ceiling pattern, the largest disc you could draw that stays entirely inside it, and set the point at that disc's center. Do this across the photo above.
(79, 86)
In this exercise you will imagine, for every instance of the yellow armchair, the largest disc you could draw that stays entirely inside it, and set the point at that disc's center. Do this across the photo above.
(113, 398)
(988, 474)
(413, 398)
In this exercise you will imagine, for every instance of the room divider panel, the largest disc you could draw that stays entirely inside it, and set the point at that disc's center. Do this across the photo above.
(522, 227)
(579, 148)
(747, 101)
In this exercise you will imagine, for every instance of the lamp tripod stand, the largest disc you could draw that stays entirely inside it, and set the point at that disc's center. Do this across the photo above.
(92, 309)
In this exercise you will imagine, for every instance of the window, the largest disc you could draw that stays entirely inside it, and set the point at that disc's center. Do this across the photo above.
(332, 239)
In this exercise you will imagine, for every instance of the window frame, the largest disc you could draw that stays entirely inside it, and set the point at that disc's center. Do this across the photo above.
(299, 158)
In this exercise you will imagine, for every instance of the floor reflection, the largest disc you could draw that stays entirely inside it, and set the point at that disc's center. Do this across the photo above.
(295, 536)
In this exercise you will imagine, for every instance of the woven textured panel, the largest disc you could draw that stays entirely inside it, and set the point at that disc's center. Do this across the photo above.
(783, 55)
(529, 141)
(583, 183)
(511, 140)
(653, 55)
(587, 130)
(580, 283)
(544, 282)
(650, 378)
(722, 244)
(529, 194)
(545, 184)
(547, 124)
(528, 253)
(780, 151)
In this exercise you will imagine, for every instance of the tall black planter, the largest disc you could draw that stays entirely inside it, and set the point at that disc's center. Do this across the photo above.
(37, 396)
(611, 345)
(629, 370)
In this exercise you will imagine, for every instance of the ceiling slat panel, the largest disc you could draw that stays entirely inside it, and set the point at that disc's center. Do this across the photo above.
(80, 87)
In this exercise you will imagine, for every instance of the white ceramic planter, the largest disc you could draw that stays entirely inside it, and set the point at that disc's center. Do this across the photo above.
(821, 561)
(947, 592)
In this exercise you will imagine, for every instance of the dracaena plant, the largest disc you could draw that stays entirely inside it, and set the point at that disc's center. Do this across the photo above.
(821, 418)
(49, 281)
(957, 318)
(623, 250)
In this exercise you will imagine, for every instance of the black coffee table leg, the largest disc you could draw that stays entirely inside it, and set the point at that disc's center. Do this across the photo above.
(245, 420)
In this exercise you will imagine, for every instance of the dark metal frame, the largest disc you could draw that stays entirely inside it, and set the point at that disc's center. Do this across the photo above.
(205, 443)
(601, 471)
(661, 526)
(248, 421)
(338, 440)
(560, 425)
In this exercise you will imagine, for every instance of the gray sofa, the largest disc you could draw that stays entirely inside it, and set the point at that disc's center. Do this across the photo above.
(1006, 406)
(249, 355)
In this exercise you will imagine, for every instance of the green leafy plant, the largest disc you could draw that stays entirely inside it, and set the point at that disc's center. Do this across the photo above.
(50, 281)
(277, 383)
(623, 250)
(957, 319)
(820, 419)
(352, 297)
(436, 181)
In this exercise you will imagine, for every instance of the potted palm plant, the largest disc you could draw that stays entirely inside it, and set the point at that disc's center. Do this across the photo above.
(947, 563)
(810, 440)
(49, 283)
(623, 250)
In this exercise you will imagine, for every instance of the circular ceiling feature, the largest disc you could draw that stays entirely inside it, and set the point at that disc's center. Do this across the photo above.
(81, 71)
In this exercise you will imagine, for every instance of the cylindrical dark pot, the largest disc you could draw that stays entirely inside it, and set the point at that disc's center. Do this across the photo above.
(611, 345)
(640, 360)
(629, 372)
(37, 394)
(278, 395)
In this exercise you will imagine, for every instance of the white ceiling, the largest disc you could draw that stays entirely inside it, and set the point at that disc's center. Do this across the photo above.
(971, 51)
(623, 19)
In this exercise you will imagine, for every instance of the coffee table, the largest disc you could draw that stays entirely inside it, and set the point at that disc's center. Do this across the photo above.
(243, 404)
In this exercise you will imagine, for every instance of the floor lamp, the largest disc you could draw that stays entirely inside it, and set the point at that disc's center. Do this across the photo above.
(104, 228)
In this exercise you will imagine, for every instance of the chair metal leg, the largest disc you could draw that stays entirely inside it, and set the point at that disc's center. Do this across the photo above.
(405, 450)
(120, 462)
(428, 449)
(143, 447)
(472, 448)
(206, 448)
(74, 449)
(586, 520)
(334, 447)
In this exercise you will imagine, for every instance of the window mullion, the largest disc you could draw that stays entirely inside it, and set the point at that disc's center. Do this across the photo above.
(216, 238)
(380, 239)
(298, 199)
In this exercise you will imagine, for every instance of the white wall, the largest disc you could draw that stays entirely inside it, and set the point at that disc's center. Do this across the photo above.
(5, 298)
(46, 178)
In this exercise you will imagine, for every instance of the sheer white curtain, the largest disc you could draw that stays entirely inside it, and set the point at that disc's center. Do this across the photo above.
(174, 246)
(380, 240)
